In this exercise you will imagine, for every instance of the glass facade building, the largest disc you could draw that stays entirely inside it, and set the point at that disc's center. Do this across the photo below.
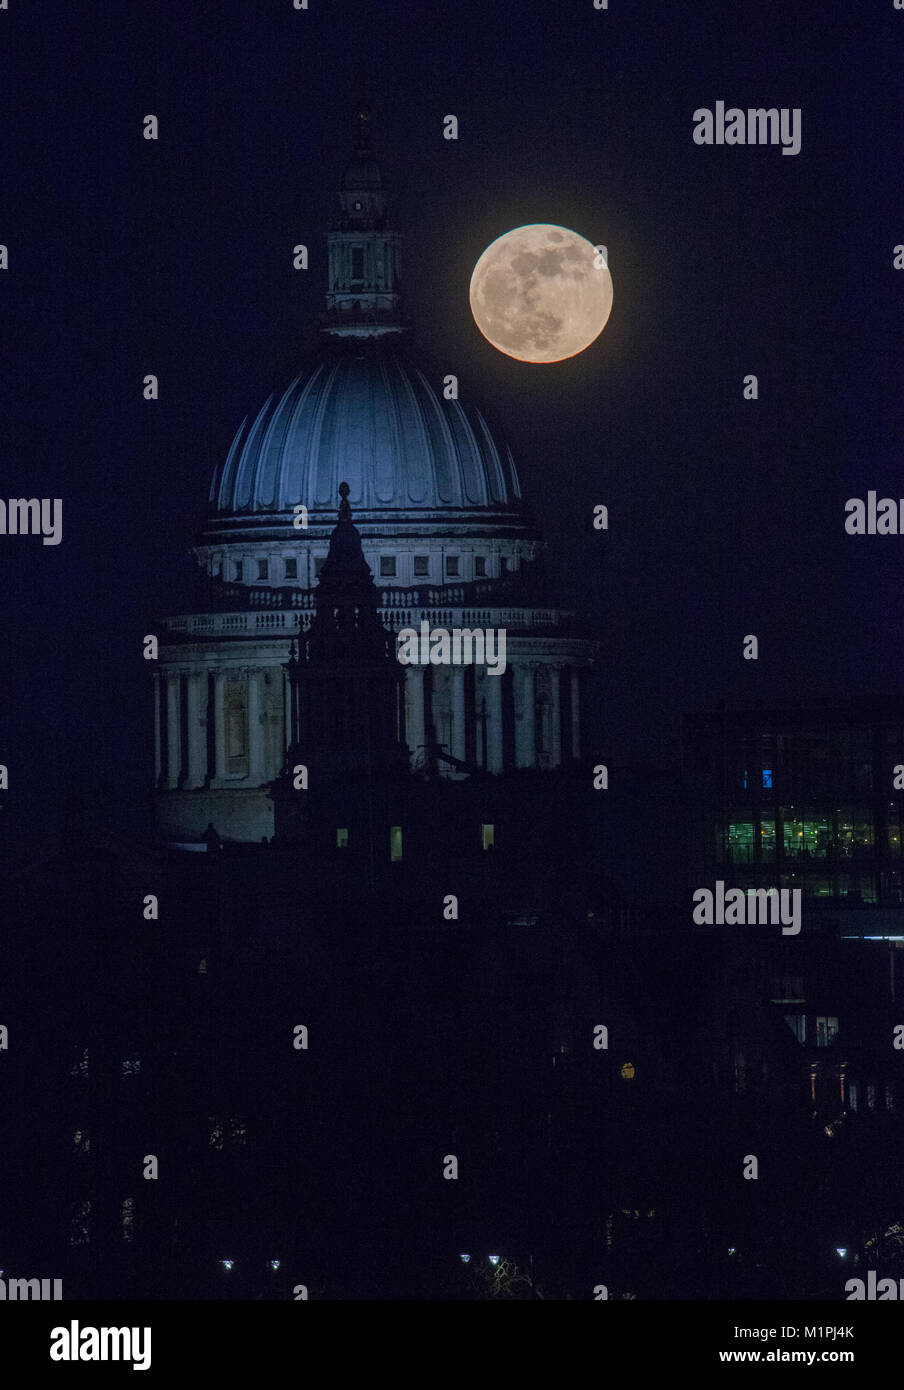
(799, 798)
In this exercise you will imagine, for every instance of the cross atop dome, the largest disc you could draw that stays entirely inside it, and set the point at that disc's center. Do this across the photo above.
(363, 114)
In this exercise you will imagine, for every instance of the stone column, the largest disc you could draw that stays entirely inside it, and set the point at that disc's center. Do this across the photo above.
(219, 724)
(575, 713)
(414, 732)
(525, 717)
(255, 727)
(287, 710)
(158, 753)
(173, 728)
(457, 741)
(492, 689)
(197, 731)
(555, 711)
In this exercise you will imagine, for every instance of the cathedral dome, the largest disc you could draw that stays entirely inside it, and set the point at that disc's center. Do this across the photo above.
(440, 536)
(366, 414)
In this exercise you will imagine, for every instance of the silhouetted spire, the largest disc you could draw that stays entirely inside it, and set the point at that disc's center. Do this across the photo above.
(345, 570)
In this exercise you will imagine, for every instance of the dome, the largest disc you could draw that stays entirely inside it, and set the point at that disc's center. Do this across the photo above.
(367, 415)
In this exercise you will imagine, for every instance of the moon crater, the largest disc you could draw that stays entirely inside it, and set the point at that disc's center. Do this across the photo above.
(537, 295)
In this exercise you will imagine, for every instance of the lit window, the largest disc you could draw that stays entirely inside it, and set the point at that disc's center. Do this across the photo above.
(131, 1066)
(342, 838)
(807, 837)
(826, 1028)
(239, 570)
(216, 1133)
(291, 569)
(263, 569)
(422, 564)
(452, 564)
(486, 836)
(480, 564)
(395, 843)
(740, 842)
(357, 205)
(767, 776)
(81, 1142)
(387, 564)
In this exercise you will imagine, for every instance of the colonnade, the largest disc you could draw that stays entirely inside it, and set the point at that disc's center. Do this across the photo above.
(187, 759)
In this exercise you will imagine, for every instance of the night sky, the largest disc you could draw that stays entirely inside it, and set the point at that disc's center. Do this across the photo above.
(128, 257)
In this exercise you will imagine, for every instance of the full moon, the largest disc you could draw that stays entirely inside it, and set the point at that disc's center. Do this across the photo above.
(537, 295)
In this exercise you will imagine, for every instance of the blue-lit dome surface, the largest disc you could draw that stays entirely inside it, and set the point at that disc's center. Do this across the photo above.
(365, 415)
